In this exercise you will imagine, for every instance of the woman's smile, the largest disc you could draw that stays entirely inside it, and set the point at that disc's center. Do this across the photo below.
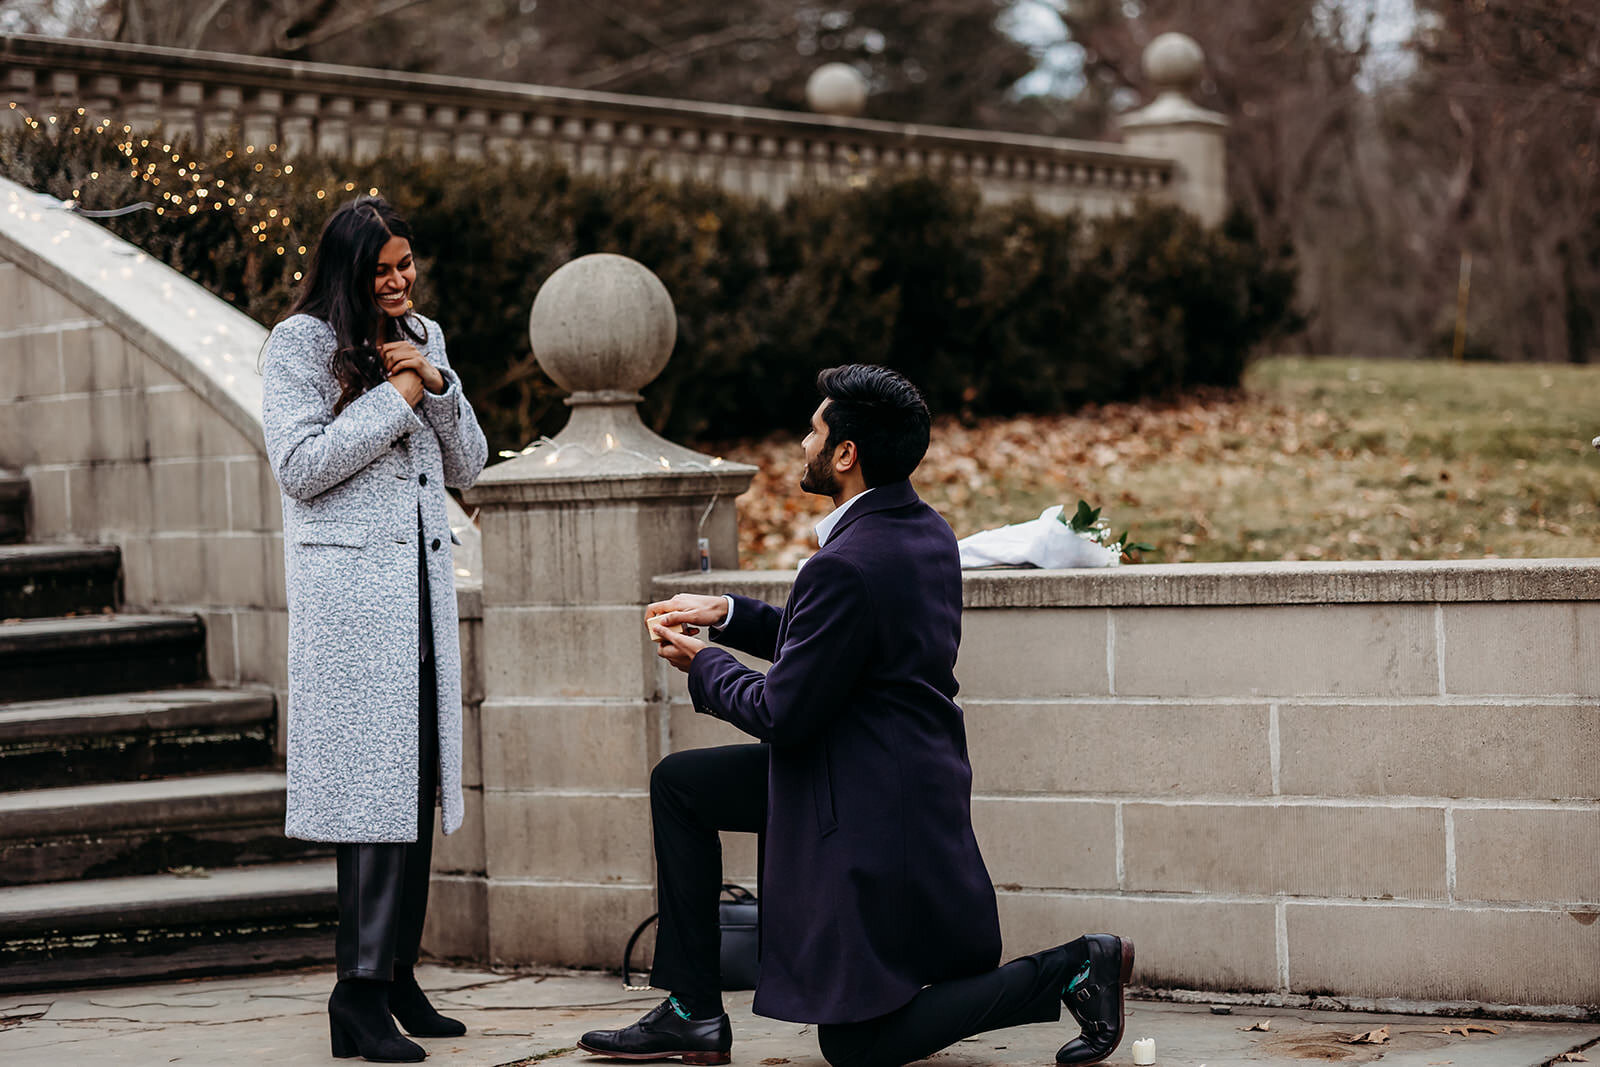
(396, 274)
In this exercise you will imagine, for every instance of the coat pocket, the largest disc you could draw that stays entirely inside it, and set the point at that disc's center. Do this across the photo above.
(822, 791)
(329, 532)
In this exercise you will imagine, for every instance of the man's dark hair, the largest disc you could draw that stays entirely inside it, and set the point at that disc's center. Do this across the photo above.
(882, 413)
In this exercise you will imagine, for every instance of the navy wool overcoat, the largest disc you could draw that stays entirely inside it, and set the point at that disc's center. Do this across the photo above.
(872, 883)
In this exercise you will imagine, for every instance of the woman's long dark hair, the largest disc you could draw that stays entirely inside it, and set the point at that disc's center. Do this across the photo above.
(339, 290)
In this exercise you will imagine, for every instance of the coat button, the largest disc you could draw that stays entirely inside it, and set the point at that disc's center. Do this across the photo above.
(436, 544)
(422, 479)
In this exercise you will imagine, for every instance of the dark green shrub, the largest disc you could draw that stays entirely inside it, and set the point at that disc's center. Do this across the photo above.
(990, 309)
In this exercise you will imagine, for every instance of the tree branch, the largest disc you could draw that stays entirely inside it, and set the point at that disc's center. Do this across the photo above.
(680, 53)
(202, 23)
(323, 34)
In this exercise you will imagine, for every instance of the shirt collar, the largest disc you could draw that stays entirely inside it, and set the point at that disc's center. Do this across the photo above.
(826, 524)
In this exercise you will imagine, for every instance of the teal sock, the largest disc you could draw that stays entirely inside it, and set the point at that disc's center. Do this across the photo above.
(693, 1008)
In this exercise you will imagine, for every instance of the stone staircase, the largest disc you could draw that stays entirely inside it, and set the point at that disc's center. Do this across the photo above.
(141, 814)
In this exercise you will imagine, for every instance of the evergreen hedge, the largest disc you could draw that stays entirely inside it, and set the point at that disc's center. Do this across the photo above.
(990, 309)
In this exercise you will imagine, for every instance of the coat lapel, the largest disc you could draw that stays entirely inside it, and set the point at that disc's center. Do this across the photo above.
(883, 498)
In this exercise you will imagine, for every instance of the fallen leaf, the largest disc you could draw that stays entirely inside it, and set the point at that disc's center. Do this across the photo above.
(1467, 1029)
(1572, 1057)
(1371, 1037)
(1264, 1025)
(772, 1061)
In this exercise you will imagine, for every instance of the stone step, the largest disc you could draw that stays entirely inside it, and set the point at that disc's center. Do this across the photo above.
(13, 507)
(167, 927)
(141, 828)
(42, 659)
(43, 580)
(129, 736)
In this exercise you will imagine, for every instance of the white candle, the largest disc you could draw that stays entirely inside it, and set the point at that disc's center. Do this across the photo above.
(1144, 1051)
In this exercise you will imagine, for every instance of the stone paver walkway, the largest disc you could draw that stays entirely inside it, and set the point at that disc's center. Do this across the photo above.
(527, 1019)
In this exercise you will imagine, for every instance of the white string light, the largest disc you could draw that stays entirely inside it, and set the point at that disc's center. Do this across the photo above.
(149, 172)
(553, 450)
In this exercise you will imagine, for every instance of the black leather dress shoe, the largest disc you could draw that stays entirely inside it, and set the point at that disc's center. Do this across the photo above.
(1095, 999)
(663, 1034)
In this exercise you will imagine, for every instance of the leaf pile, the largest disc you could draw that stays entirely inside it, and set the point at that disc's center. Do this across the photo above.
(1317, 460)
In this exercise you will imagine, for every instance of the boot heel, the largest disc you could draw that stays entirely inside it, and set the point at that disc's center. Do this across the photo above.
(709, 1059)
(344, 1047)
(1127, 959)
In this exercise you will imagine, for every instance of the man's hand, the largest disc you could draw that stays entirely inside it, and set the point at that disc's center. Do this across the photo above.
(400, 356)
(688, 610)
(679, 649)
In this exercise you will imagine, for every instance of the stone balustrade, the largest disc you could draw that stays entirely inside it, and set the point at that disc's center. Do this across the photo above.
(1171, 155)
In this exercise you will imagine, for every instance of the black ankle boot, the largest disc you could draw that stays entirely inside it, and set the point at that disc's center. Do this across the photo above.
(1094, 997)
(360, 1024)
(409, 1004)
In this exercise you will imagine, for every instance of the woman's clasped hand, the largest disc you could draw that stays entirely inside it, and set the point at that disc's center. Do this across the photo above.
(410, 371)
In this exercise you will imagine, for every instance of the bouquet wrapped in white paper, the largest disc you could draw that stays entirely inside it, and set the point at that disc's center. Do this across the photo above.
(1047, 541)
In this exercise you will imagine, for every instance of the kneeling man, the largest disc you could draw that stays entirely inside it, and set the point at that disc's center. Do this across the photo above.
(878, 918)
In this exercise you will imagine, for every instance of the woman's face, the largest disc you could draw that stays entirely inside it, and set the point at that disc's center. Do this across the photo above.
(397, 272)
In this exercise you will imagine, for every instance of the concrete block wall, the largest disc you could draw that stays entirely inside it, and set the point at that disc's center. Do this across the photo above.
(129, 398)
(570, 721)
(1366, 781)
(457, 898)
(118, 451)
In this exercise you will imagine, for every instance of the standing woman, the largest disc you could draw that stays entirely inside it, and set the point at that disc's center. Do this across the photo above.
(366, 425)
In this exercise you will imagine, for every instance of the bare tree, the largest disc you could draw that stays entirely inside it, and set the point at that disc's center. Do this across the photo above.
(1519, 81)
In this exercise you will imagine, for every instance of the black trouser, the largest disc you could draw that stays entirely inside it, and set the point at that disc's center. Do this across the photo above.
(383, 887)
(696, 793)
(693, 795)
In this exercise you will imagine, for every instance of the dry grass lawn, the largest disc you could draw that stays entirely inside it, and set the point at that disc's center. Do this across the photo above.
(1315, 459)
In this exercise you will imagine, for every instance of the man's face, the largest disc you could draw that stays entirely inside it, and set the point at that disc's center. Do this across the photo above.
(819, 477)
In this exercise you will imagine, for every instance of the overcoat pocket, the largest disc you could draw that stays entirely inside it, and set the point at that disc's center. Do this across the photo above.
(330, 532)
(822, 791)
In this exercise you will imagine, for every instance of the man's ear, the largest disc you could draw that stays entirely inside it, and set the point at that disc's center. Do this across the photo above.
(844, 457)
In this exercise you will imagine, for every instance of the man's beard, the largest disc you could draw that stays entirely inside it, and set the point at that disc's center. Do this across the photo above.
(819, 477)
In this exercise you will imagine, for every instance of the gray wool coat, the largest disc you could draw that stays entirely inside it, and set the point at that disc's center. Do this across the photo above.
(352, 484)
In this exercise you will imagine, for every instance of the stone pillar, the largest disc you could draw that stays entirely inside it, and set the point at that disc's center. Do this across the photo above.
(1175, 127)
(574, 711)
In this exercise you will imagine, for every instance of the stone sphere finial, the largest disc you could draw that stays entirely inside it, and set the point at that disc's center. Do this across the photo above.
(837, 89)
(603, 327)
(1173, 61)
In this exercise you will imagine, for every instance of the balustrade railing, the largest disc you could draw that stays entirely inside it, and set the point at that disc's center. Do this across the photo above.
(750, 151)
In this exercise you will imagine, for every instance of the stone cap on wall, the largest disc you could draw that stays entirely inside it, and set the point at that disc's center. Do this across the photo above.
(199, 338)
(1222, 584)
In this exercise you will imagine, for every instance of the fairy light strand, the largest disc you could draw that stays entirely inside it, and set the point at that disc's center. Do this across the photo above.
(191, 184)
(553, 450)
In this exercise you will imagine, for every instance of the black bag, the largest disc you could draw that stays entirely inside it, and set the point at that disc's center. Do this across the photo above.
(740, 944)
